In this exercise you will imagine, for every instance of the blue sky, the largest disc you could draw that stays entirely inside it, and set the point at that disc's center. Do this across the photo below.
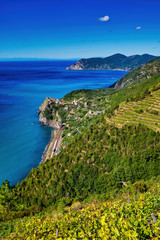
(73, 29)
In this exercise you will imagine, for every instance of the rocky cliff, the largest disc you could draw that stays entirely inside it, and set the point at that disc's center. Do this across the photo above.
(48, 116)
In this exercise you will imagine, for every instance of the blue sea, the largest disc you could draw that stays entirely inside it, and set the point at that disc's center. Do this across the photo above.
(23, 87)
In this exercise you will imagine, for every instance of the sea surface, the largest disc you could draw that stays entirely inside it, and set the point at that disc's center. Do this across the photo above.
(23, 87)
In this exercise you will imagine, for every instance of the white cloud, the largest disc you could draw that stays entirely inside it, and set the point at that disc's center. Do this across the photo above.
(138, 28)
(104, 19)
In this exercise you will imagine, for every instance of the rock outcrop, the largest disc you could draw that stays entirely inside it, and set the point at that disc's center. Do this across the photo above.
(48, 115)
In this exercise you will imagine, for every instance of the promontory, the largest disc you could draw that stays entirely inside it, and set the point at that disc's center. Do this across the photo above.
(115, 62)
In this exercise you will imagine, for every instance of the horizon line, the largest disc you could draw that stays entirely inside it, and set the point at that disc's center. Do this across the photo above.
(34, 58)
(61, 59)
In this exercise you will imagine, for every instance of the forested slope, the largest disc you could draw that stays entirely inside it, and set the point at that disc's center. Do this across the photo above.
(139, 74)
(116, 61)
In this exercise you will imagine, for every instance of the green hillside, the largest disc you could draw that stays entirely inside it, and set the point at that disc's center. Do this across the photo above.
(146, 112)
(109, 155)
(109, 100)
(140, 74)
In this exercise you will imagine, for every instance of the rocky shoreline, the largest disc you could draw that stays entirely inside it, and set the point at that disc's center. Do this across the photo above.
(44, 109)
(45, 153)
(55, 123)
(60, 114)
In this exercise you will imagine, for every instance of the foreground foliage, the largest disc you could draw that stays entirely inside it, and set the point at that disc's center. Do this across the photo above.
(130, 217)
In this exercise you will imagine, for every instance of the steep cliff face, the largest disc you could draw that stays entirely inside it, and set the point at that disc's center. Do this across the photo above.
(114, 62)
(78, 66)
(48, 116)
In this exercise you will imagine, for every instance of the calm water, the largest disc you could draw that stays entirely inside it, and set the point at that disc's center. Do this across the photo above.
(23, 87)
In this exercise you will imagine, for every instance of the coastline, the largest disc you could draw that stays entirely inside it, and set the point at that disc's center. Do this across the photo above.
(57, 125)
(54, 144)
(96, 69)
(44, 155)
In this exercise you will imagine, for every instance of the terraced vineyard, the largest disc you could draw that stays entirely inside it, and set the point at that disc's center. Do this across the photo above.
(145, 112)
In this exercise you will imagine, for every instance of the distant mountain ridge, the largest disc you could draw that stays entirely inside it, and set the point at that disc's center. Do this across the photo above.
(115, 62)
